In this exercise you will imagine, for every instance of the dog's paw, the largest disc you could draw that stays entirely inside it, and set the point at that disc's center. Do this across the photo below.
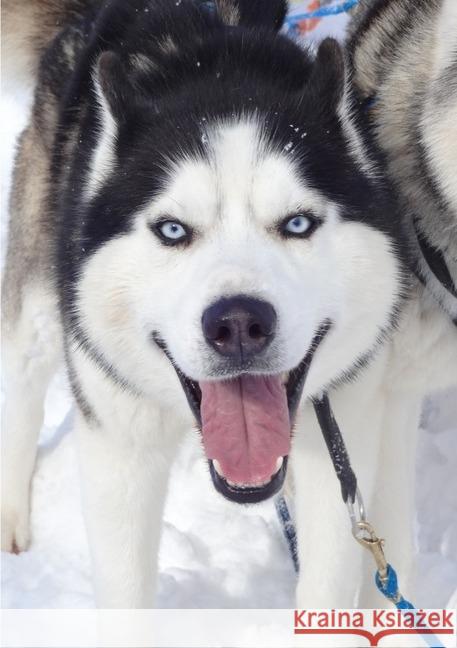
(15, 523)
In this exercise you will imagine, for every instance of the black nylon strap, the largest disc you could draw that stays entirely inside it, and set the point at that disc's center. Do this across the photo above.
(336, 448)
(435, 261)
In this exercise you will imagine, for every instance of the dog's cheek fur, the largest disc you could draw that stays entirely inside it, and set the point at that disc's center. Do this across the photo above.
(369, 292)
(119, 303)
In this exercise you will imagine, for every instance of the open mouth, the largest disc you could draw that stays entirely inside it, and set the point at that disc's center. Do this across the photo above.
(246, 424)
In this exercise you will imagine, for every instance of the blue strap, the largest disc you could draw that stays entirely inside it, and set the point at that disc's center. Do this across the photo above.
(388, 586)
(288, 528)
(322, 12)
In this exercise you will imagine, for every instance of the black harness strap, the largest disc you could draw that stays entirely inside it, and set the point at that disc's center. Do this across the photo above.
(436, 263)
(336, 448)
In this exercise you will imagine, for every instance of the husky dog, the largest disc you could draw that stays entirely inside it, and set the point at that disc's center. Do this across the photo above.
(200, 226)
(404, 57)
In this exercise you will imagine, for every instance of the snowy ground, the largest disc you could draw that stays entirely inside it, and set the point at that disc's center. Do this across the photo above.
(214, 554)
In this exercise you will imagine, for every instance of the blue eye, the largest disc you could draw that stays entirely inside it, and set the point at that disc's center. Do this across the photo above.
(299, 225)
(172, 232)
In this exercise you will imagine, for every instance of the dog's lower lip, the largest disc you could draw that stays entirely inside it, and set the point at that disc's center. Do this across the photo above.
(219, 471)
(248, 494)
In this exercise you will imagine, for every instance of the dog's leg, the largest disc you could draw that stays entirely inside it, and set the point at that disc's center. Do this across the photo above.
(124, 481)
(31, 336)
(331, 561)
(31, 345)
(126, 446)
(391, 510)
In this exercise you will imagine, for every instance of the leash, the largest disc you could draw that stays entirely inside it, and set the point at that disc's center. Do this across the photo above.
(386, 579)
(336, 448)
(289, 530)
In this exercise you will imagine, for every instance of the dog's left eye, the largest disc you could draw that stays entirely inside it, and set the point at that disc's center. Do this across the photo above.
(172, 232)
(300, 225)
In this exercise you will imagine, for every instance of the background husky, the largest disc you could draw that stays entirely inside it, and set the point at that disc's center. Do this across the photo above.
(194, 197)
(404, 56)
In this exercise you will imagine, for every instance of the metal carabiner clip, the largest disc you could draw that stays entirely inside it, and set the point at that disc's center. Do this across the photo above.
(366, 536)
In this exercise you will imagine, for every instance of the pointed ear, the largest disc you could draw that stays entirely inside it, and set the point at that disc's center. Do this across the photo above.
(328, 74)
(113, 85)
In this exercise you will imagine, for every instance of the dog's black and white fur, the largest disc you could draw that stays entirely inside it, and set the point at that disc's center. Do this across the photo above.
(404, 60)
(180, 154)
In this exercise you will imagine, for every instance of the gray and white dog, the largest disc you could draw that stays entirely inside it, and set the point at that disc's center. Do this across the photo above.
(201, 227)
(404, 58)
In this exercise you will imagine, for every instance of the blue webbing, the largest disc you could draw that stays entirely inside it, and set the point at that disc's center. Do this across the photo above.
(322, 12)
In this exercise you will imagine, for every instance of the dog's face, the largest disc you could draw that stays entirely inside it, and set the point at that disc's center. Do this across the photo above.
(257, 265)
(242, 225)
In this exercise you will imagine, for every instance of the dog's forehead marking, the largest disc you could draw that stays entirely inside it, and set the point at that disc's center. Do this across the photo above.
(240, 177)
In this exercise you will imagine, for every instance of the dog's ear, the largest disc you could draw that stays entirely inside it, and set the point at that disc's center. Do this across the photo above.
(327, 77)
(113, 85)
(253, 13)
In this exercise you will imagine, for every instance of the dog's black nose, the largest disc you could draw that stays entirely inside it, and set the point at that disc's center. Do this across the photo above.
(239, 327)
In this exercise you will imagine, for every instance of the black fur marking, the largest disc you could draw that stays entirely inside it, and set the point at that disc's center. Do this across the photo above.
(81, 400)
(364, 22)
(98, 358)
(297, 377)
(421, 169)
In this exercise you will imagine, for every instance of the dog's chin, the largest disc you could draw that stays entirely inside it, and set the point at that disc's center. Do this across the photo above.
(238, 473)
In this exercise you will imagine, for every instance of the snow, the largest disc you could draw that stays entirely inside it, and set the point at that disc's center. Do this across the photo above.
(213, 553)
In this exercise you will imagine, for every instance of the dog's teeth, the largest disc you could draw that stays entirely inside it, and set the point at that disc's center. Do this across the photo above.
(253, 485)
(279, 462)
(217, 467)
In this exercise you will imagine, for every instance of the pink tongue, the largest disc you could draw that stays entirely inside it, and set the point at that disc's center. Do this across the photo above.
(246, 426)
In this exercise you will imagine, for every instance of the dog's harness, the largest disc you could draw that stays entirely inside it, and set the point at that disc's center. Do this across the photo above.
(436, 267)
(436, 263)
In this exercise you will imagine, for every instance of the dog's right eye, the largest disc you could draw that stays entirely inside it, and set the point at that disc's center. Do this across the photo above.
(300, 225)
(172, 232)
